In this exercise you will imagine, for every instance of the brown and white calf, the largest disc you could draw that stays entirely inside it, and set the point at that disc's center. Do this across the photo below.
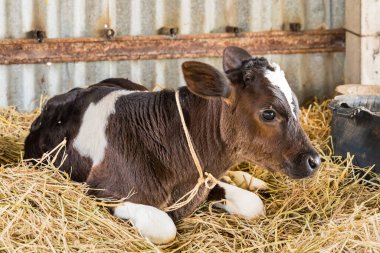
(122, 138)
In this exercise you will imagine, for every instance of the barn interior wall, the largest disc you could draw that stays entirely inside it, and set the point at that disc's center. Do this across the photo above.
(22, 85)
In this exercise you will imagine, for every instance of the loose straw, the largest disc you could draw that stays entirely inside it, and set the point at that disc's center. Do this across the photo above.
(42, 210)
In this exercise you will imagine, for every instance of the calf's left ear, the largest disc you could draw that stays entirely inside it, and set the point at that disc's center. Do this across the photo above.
(205, 81)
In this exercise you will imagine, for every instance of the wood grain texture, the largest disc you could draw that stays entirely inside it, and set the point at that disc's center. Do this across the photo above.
(29, 51)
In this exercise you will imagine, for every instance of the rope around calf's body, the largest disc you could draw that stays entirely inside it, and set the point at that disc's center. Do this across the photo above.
(209, 181)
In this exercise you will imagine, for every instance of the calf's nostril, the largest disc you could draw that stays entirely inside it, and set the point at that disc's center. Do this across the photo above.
(314, 162)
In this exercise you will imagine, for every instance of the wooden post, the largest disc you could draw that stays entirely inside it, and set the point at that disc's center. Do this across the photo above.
(362, 63)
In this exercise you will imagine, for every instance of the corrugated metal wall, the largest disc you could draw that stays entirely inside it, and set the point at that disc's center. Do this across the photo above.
(22, 85)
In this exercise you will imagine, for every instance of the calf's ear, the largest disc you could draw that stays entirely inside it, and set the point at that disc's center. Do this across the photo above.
(233, 58)
(205, 81)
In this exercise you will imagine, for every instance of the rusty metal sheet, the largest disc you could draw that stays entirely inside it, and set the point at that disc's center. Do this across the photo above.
(21, 85)
(165, 47)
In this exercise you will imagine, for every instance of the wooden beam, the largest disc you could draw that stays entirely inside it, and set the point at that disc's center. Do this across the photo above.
(29, 51)
(362, 61)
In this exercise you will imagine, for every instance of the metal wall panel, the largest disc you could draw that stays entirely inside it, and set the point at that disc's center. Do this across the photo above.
(22, 85)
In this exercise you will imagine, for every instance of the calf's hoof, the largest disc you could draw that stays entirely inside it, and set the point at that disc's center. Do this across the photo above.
(241, 202)
(246, 181)
(151, 222)
(156, 225)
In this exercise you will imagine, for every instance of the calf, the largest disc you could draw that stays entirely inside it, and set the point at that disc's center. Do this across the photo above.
(122, 139)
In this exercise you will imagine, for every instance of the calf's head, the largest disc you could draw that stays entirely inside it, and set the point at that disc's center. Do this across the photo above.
(260, 116)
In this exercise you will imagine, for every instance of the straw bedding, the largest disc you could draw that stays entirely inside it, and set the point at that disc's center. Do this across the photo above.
(41, 210)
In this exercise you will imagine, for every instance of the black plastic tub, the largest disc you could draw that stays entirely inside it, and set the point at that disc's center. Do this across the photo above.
(355, 128)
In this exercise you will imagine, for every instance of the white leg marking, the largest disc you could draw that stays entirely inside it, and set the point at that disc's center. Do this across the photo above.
(151, 222)
(246, 181)
(91, 140)
(241, 202)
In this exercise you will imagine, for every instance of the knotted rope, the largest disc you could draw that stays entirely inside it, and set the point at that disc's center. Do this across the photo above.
(204, 178)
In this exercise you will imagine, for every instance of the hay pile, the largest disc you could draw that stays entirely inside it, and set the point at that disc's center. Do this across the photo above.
(14, 127)
(41, 210)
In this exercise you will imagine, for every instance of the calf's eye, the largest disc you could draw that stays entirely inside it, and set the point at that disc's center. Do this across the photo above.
(268, 115)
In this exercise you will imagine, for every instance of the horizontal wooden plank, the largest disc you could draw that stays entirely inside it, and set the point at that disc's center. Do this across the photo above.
(29, 51)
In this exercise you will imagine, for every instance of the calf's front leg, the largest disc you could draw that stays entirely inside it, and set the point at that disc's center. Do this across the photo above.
(159, 228)
(237, 201)
(244, 180)
(151, 222)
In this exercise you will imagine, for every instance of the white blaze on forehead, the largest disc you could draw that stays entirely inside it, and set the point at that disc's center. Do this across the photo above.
(91, 140)
(277, 78)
